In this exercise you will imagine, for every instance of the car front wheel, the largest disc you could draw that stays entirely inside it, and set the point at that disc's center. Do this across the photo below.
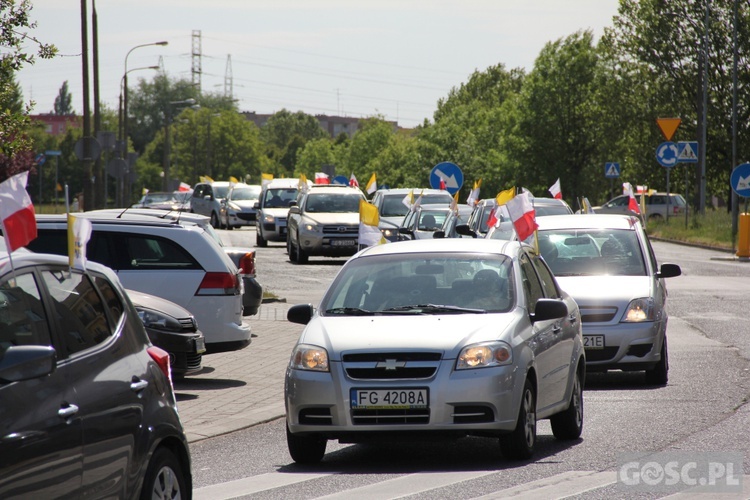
(301, 256)
(290, 249)
(568, 424)
(259, 239)
(659, 375)
(164, 477)
(305, 449)
(215, 222)
(519, 444)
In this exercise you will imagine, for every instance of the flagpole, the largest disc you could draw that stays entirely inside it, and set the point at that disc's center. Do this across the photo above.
(10, 257)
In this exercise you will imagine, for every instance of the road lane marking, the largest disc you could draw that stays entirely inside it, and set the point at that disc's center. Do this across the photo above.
(698, 495)
(558, 486)
(250, 485)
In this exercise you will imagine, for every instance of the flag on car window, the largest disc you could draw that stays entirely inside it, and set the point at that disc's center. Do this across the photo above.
(17, 212)
(522, 214)
(454, 203)
(372, 185)
(632, 203)
(555, 190)
(408, 200)
(233, 179)
(492, 219)
(265, 179)
(442, 184)
(322, 178)
(205, 178)
(504, 196)
(369, 232)
(473, 198)
(79, 232)
(184, 187)
(302, 185)
(353, 181)
(144, 191)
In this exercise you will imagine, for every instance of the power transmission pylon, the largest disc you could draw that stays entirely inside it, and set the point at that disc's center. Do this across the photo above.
(228, 83)
(196, 70)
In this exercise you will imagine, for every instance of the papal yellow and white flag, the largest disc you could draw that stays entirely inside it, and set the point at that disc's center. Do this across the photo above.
(369, 232)
(408, 200)
(303, 184)
(372, 185)
(504, 197)
(265, 179)
(233, 179)
(79, 232)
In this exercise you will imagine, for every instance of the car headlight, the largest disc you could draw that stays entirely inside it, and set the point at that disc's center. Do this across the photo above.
(484, 355)
(309, 357)
(389, 233)
(310, 227)
(268, 219)
(640, 310)
(158, 320)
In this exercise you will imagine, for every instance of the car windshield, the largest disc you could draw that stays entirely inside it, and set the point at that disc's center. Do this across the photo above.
(183, 196)
(429, 283)
(592, 252)
(248, 193)
(220, 192)
(280, 197)
(332, 203)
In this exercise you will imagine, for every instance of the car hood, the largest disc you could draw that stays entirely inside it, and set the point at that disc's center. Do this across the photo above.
(387, 222)
(599, 290)
(276, 212)
(148, 301)
(334, 218)
(448, 333)
(245, 204)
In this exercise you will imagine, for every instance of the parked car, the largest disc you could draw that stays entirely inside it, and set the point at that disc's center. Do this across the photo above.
(206, 199)
(455, 218)
(324, 221)
(180, 262)
(238, 208)
(172, 328)
(550, 206)
(273, 209)
(422, 221)
(438, 338)
(658, 205)
(243, 257)
(607, 264)
(392, 209)
(88, 409)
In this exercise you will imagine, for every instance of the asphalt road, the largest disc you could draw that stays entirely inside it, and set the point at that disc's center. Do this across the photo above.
(702, 409)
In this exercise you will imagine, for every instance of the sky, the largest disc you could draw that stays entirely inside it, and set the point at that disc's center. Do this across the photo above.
(356, 58)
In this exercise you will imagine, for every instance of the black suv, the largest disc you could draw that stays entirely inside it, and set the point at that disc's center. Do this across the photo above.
(87, 407)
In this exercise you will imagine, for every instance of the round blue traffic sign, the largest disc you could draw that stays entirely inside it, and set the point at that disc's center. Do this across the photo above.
(666, 154)
(740, 180)
(340, 179)
(450, 174)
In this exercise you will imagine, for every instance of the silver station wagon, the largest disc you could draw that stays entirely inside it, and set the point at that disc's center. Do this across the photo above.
(437, 338)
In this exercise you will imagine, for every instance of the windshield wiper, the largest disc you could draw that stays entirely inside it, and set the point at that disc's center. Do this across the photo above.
(434, 309)
(349, 311)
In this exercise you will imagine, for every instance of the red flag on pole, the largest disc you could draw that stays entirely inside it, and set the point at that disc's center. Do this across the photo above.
(17, 212)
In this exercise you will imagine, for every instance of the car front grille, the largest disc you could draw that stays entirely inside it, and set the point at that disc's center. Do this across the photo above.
(188, 324)
(194, 361)
(601, 354)
(391, 417)
(391, 365)
(341, 229)
(640, 350)
(597, 314)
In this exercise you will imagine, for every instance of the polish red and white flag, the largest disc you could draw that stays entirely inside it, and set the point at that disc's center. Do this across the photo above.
(353, 182)
(555, 190)
(632, 202)
(321, 178)
(184, 187)
(522, 214)
(17, 212)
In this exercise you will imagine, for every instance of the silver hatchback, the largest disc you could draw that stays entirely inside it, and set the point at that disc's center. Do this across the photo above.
(441, 338)
(607, 264)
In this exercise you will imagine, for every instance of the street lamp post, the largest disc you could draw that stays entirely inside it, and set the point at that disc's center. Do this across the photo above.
(124, 137)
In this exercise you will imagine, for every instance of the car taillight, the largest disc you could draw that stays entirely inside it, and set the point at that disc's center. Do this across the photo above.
(219, 284)
(247, 263)
(162, 359)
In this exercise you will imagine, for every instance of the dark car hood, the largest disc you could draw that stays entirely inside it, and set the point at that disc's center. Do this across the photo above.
(140, 299)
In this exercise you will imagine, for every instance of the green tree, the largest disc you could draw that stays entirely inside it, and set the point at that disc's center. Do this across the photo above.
(11, 96)
(314, 155)
(285, 133)
(63, 101)
(16, 154)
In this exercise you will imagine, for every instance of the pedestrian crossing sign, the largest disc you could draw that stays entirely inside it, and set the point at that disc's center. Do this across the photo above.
(611, 170)
(687, 152)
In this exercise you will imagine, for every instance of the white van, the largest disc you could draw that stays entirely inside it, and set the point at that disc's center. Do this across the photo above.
(272, 209)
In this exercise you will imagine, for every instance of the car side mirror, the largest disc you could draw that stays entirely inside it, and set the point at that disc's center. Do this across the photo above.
(256, 205)
(669, 271)
(293, 203)
(25, 362)
(438, 234)
(293, 210)
(300, 313)
(405, 230)
(547, 309)
(208, 197)
(465, 230)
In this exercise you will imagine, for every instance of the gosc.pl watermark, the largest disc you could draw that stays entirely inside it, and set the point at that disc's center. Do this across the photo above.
(714, 472)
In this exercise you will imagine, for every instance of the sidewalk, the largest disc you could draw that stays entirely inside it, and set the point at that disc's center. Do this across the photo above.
(242, 388)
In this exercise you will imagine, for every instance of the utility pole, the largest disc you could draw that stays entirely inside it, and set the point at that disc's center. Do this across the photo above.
(86, 161)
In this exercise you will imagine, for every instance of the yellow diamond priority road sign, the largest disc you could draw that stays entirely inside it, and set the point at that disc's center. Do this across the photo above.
(668, 126)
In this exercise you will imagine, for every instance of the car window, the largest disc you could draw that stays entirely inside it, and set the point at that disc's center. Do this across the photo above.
(393, 206)
(532, 287)
(332, 203)
(220, 192)
(279, 197)
(431, 221)
(153, 252)
(593, 252)
(548, 282)
(111, 300)
(79, 312)
(23, 320)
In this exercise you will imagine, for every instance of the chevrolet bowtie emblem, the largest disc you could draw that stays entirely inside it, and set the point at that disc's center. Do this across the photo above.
(390, 364)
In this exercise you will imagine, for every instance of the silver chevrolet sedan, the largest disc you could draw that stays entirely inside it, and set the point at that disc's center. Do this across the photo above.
(607, 264)
(440, 338)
